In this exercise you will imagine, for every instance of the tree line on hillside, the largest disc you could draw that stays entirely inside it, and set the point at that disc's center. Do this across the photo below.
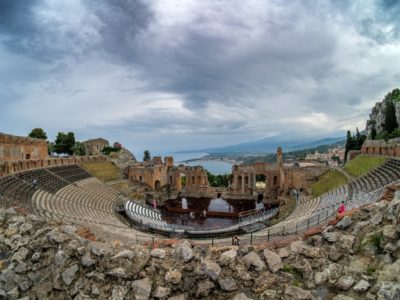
(65, 143)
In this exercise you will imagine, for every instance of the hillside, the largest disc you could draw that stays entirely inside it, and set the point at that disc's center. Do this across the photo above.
(269, 145)
(295, 155)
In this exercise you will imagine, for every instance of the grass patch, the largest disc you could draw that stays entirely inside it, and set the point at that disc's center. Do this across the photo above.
(328, 181)
(371, 271)
(363, 164)
(377, 240)
(105, 171)
(297, 275)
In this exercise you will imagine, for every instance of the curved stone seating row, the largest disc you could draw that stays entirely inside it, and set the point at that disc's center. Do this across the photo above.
(73, 209)
(14, 191)
(91, 199)
(383, 175)
(70, 173)
(144, 215)
(365, 199)
(98, 187)
(306, 205)
(44, 179)
(332, 198)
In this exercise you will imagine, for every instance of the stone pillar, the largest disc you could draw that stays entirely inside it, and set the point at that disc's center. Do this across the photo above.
(242, 183)
(254, 181)
(236, 181)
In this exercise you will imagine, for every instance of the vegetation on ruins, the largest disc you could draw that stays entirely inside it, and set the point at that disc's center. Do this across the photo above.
(79, 148)
(146, 155)
(105, 171)
(328, 181)
(393, 95)
(354, 142)
(38, 133)
(64, 143)
(219, 180)
(362, 164)
(107, 150)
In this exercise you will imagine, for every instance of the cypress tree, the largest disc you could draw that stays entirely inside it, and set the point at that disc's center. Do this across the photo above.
(349, 144)
(373, 133)
(390, 117)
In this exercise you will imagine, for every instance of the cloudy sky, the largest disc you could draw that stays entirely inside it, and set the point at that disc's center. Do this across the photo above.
(171, 75)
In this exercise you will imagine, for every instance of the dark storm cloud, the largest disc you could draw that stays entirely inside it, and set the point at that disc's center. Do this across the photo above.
(20, 30)
(203, 68)
(121, 21)
(199, 61)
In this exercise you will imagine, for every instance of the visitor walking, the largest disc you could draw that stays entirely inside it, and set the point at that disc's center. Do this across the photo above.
(204, 213)
(34, 183)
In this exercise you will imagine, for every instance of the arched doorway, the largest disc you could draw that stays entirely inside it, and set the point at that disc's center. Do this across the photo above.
(261, 180)
(183, 180)
(157, 185)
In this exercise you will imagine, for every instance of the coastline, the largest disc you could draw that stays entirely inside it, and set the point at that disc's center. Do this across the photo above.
(211, 158)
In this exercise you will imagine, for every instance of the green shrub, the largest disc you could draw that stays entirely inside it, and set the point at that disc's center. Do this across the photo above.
(376, 240)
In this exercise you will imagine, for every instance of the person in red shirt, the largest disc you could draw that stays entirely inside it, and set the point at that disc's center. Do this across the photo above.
(342, 208)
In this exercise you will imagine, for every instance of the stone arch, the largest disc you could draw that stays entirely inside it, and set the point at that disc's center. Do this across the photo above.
(157, 185)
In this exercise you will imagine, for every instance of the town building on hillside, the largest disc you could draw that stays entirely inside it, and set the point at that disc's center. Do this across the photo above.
(95, 146)
(14, 148)
(327, 157)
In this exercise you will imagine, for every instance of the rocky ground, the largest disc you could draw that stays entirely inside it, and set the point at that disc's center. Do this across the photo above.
(357, 258)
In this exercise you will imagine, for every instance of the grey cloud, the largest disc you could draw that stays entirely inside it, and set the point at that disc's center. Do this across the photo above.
(240, 71)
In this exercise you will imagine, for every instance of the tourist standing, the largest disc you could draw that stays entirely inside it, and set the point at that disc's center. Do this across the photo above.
(342, 208)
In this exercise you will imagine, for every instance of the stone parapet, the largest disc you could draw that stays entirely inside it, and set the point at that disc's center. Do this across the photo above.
(12, 167)
(382, 147)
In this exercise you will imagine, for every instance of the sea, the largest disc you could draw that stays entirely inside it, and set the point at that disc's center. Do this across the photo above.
(216, 167)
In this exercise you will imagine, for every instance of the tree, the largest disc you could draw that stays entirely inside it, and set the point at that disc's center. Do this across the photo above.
(393, 95)
(64, 143)
(373, 132)
(359, 140)
(38, 133)
(349, 144)
(390, 117)
(79, 149)
(146, 155)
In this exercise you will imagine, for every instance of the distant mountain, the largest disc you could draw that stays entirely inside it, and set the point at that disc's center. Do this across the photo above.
(270, 144)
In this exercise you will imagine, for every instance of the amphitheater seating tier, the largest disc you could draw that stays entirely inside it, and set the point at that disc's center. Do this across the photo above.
(75, 203)
(14, 191)
(70, 173)
(45, 179)
(70, 193)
